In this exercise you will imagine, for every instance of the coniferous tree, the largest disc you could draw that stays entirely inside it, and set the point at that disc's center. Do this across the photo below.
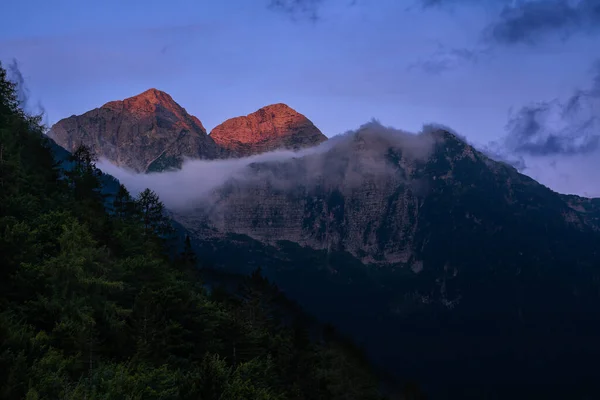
(152, 212)
(123, 205)
(188, 255)
(84, 175)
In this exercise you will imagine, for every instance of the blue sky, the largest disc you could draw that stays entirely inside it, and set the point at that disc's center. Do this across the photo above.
(520, 73)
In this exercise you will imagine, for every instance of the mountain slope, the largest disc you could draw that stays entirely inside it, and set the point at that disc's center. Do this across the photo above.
(276, 126)
(469, 271)
(148, 132)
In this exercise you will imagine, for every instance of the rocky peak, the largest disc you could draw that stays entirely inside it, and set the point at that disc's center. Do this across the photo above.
(275, 126)
(151, 96)
(147, 132)
(154, 101)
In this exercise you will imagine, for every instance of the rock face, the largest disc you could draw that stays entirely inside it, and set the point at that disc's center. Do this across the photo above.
(272, 127)
(341, 198)
(381, 195)
(148, 132)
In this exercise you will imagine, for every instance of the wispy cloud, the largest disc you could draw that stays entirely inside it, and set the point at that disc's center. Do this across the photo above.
(159, 33)
(15, 75)
(302, 10)
(558, 127)
(445, 59)
(556, 142)
(497, 151)
(298, 9)
(451, 3)
(23, 93)
(530, 21)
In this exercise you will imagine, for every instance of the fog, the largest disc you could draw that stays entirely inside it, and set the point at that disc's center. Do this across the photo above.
(345, 161)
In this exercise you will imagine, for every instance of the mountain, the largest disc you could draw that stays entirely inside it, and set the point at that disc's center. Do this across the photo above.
(379, 195)
(148, 132)
(276, 126)
(483, 282)
(447, 266)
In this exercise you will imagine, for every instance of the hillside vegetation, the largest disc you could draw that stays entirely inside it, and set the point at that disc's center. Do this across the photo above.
(92, 306)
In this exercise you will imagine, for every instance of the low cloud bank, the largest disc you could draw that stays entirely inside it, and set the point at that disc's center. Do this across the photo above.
(346, 160)
(196, 179)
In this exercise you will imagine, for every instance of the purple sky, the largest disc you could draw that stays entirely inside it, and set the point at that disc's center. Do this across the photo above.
(520, 73)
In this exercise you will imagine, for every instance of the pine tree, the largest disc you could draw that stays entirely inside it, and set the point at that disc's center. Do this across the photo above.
(188, 256)
(123, 205)
(152, 212)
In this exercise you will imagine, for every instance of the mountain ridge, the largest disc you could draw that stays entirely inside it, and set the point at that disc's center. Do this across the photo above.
(150, 132)
(352, 171)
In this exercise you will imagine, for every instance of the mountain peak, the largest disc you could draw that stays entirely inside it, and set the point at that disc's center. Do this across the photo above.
(154, 94)
(147, 102)
(278, 107)
(276, 126)
(146, 132)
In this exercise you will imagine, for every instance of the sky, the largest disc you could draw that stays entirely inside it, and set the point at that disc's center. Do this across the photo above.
(518, 78)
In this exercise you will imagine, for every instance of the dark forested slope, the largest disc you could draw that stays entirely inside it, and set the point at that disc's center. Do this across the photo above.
(92, 307)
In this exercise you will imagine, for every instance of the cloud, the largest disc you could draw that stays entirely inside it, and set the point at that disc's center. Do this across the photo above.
(197, 178)
(558, 127)
(445, 59)
(556, 142)
(450, 3)
(170, 31)
(529, 21)
(15, 75)
(344, 161)
(496, 151)
(303, 9)
(298, 9)
(23, 94)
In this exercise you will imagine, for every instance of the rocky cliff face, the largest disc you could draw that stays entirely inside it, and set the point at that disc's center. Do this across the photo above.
(147, 132)
(587, 209)
(273, 127)
(341, 197)
(382, 195)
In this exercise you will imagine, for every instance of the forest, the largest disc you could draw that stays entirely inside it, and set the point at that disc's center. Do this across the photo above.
(93, 305)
